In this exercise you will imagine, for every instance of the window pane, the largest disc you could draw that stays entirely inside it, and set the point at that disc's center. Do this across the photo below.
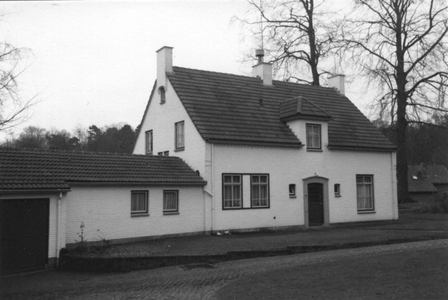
(227, 179)
(236, 179)
(364, 192)
(236, 192)
(139, 202)
(149, 142)
(170, 201)
(263, 191)
(180, 142)
(228, 192)
(255, 192)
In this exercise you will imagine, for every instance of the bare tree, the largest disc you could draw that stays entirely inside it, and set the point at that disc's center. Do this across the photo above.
(13, 109)
(296, 34)
(401, 45)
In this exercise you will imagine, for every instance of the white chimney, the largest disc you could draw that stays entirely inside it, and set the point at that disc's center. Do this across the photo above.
(164, 64)
(338, 82)
(262, 70)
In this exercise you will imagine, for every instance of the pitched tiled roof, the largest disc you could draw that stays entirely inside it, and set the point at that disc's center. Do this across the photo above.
(240, 109)
(39, 169)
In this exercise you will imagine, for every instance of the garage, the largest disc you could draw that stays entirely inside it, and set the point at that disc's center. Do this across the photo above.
(24, 232)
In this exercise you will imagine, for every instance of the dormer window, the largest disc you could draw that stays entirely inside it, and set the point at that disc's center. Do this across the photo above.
(313, 137)
(162, 95)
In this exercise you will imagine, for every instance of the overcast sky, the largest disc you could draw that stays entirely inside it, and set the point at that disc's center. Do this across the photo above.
(95, 62)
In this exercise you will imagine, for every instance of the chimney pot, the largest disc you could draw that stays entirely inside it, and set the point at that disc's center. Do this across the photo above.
(337, 81)
(259, 53)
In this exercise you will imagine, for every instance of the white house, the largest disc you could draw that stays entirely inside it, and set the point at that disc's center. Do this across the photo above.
(274, 154)
(214, 152)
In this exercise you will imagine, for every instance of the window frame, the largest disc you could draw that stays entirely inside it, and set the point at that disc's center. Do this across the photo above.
(372, 193)
(162, 94)
(179, 136)
(259, 184)
(149, 142)
(240, 184)
(292, 190)
(232, 184)
(167, 211)
(310, 145)
(337, 190)
(141, 212)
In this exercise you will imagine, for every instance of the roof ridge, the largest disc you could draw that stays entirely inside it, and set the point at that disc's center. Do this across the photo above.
(252, 77)
(81, 152)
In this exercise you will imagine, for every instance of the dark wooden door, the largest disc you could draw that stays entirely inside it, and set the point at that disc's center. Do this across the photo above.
(23, 235)
(315, 204)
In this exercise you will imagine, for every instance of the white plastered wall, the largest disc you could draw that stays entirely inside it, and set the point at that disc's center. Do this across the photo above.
(160, 118)
(106, 213)
(290, 166)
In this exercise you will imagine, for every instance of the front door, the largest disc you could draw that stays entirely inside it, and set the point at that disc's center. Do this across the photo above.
(315, 204)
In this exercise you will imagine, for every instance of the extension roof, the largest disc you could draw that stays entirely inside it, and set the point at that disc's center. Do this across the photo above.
(28, 169)
(235, 109)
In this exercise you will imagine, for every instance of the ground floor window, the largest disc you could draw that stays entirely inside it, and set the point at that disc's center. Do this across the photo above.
(255, 185)
(364, 192)
(232, 191)
(260, 190)
(170, 201)
(139, 202)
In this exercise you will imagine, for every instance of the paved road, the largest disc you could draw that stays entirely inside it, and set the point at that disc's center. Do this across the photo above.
(175, 282)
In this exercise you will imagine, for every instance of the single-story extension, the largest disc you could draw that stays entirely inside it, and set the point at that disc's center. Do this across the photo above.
(53, 199)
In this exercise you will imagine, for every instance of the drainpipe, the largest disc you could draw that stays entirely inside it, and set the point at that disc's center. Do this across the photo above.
(58, 226)
(394, 198)
(210, 193)
(213, 188)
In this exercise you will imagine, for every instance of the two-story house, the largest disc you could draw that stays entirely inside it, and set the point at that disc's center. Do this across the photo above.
(274, 154)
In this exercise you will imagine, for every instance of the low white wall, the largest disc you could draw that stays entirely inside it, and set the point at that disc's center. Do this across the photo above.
(106, 213)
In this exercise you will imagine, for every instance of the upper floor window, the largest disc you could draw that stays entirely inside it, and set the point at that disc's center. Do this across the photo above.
(162, 95)
(180, 135)
(364, 192)
(148, 138)
(313, 136)
(139, 202)
(260, 191)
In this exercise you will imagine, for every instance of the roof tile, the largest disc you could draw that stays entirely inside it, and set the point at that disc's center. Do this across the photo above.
(44, 169)
(240, 109)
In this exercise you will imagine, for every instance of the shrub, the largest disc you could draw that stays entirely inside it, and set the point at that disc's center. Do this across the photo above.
(435, 207)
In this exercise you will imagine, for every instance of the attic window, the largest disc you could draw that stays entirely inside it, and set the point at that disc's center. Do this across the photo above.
(162, 95)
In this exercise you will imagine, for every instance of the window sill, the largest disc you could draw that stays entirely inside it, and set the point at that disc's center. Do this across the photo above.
(170, 213)
(314, 150)
(366, 212)
(292, 197)
(245, 208)
(179, 149)
(140, 215)
(338, 196)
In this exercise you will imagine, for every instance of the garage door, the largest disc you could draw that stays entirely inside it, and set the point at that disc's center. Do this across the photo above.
(24, 227)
